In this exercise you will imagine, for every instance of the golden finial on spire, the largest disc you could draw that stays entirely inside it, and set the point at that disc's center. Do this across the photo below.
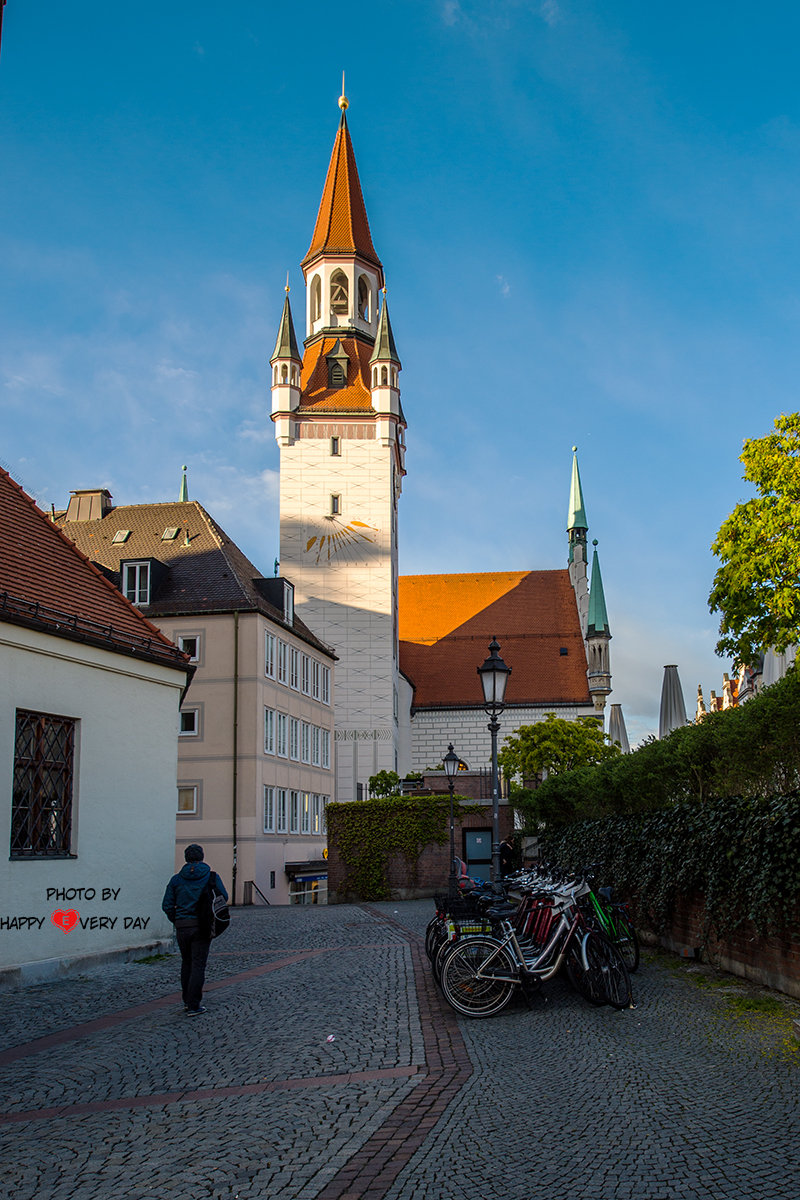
(344, 103)
(287, 283)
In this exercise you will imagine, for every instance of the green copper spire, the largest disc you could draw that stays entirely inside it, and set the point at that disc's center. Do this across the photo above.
(286, 345)
(384, 341)
(598, 617)
(577, 524)
(184, 487)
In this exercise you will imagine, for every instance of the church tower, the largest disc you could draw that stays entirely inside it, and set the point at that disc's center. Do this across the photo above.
(341, 431)
(590, 600)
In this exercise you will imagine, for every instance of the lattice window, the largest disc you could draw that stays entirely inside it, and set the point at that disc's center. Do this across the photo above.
(44, 761)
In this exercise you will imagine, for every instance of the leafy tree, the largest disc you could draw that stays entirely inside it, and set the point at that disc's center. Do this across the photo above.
(385, 783)
(555, 745)
(757, 587)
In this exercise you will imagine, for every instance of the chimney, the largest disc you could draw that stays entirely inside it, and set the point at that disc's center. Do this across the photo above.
(92, 504)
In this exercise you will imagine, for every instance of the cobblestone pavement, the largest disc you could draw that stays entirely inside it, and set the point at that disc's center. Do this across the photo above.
(109, 1090)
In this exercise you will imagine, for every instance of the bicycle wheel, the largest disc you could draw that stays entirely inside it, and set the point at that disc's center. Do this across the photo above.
(464, 990)
(581, 978)
(607, 971)
(435, 934)
(626, 939)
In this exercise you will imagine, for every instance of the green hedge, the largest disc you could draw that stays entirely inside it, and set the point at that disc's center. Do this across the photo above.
(742, 855)
(752, 750)
(369, 833)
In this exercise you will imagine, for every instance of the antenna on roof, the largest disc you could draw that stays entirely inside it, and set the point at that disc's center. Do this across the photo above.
(184, 487)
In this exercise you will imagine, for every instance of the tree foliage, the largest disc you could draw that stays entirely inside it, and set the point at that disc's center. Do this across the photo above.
(757, 587)
(554, 746)
(385, 783)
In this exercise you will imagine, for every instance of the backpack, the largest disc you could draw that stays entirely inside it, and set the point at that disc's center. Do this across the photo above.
(213, 915)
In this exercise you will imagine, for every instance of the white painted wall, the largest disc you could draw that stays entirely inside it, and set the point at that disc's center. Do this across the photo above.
(124, 798)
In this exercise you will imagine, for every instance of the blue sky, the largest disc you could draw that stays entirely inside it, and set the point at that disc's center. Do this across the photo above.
(588, 217)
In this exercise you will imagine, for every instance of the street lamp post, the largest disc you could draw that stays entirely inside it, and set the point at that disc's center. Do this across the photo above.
(494, 676)
(451, 765)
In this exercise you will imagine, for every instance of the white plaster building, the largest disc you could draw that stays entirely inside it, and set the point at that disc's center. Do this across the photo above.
(89, 709)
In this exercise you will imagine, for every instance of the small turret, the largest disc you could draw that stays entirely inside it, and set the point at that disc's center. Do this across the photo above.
(286, 364)
(598, 635)
(385, 367)
(577, 527)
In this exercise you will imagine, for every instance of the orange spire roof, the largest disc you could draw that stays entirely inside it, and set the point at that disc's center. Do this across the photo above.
(342, 226)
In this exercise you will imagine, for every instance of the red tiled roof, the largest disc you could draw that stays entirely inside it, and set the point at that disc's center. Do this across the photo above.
(342, 226)
(314, 390)
(447, 622)
(38, 564)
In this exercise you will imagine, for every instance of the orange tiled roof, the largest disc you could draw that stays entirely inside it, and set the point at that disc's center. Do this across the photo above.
(342, 225)
(447, 622)
(39, 564)
(314, 390)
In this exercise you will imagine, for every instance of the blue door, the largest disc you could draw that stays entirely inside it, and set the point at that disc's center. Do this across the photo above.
(478, 853)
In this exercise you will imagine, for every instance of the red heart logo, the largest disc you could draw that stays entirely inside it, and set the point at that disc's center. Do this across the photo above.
(65, 919)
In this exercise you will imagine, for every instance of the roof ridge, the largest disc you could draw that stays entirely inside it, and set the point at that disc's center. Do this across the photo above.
(118, 595)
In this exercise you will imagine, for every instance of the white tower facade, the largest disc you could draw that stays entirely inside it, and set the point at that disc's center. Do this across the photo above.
(341, 433)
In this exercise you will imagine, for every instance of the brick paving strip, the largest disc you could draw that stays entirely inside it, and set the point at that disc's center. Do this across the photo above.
(372, 1170)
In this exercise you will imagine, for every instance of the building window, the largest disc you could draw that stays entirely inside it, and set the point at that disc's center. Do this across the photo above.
(187, 799)
(325, 749)
(190, 722)
(294, 739)
(315, 732)
(316, 818)
(305, 823)
(281, 740)
(294, 812)
(288, 602)
(306, 676)
(269, 810)
(136, 582)
(283, 668)
(324, 814)
(325, 689)
(305, 742)
(363, 297)
(44, 765)
(280, 814)
(335, 449)
(315, 691)
(339, 292)
(316, 298)
(120, 536)
(272, 879)
(190, 644)
(294, 680)
(269, 655)
(336, 505)
(269, 731)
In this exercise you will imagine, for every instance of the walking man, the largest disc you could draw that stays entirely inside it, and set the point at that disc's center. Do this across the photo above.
(194, 942)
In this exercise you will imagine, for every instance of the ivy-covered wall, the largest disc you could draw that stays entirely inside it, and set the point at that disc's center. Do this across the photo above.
(398, 847)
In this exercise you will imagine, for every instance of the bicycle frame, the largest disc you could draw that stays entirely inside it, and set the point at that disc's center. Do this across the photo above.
(544, 965)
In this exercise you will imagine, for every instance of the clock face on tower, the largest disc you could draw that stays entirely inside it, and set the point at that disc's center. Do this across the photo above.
(336, 540)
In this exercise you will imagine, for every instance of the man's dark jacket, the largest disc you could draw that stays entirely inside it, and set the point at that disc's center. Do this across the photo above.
(183, 891)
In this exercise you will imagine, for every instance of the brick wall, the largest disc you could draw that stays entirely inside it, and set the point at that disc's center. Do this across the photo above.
(430, 872)
(773, 961)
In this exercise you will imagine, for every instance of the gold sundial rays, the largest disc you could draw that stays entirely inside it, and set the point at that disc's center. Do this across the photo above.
(344, 537)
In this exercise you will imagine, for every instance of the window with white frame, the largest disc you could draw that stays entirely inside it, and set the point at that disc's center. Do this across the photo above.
(269, 810)
(269, 655)
(325, 748)
(281, 734)
(294, 739)
(283, 671)
(316, 817)
(294, 812)
(324, 814)
(325, 689)
(269, 731)
(280, 811)
(288, 602)
(315, 680)
(190, 722)
(187, 799)
(306, 677)
(294, 679)
(315, 732)
(305, 742)
(189, 643)
(305, 813)
(136, 582)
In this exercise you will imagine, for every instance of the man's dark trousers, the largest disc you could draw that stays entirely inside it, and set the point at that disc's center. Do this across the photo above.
(194, 956)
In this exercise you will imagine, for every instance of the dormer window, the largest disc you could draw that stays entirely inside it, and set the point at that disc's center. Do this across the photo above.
(120, 536)
(170, 534)
(136, 582)
(288, 602)
(340, 293)
(338, 363)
